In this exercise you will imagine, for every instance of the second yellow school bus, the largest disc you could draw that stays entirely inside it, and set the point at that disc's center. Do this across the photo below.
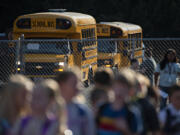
(43, 58)
(127, 43)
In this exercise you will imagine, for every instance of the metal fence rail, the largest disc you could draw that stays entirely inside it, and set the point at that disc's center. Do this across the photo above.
(47, 57)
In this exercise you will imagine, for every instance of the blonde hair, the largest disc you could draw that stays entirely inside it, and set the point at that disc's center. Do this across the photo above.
(51, 87)
(127, 77)
(16, 84)
(22, 80)
(144, 83)
(143, 79)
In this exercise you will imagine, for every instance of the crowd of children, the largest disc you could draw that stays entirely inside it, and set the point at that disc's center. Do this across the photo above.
(120, 103)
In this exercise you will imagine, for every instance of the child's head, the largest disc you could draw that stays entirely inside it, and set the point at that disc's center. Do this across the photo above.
(124, 85)
(175, 96)
(23, 87)
(14, 96)
(68, 82)
(103, 78)
(148, 52)
(43, 94)
(134, 64)
(142, 85)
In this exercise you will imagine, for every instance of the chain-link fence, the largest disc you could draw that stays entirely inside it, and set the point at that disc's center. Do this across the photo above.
(44, 58)
(160, 46)
(7, 59)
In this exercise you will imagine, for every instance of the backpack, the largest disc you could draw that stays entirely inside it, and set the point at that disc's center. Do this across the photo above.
(172, 124)
(26, 120)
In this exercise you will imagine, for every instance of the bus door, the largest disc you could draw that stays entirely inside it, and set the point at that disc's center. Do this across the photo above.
(133, 45)
(126, 51)
(138, 47)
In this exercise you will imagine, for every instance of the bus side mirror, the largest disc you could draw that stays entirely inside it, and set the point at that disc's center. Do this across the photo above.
(116, 47)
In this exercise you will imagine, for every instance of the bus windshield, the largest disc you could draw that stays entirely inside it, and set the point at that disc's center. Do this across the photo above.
(47, 47)
(107, 46)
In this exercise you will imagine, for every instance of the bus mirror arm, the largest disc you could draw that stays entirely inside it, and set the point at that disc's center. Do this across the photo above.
(66, 60)
(69, 48)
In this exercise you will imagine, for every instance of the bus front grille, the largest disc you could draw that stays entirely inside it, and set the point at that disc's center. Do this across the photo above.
(32, 68)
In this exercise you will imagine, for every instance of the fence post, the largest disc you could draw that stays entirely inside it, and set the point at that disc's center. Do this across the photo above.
(21, 53)
(17, 55)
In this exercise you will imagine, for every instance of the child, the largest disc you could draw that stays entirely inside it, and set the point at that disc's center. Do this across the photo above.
(80, 118)
(103, 79)
(13, 100)
(39, 122)
(148, 112)
(134, 65)
(116, 118)
(102, 91)
(170, 116)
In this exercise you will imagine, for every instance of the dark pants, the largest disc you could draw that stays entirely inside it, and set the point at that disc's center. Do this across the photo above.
(163, 101)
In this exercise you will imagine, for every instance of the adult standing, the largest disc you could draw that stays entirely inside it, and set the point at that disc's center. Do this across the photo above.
(149, 65)
(167, 71)
(134, 64)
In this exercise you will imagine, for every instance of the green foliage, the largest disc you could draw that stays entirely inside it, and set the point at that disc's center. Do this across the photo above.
(158, 18)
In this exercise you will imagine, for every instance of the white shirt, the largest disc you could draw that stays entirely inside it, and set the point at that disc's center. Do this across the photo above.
(169, 75)
(75, 120)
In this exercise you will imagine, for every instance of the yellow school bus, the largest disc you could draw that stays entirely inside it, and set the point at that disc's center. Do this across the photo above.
(125, 42)
(55, 40)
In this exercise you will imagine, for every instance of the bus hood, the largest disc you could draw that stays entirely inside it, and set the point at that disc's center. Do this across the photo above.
(44, 58)
(106, 55)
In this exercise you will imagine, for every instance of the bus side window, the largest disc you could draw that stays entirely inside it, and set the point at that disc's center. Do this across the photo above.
(79, 47)
(83, 55)
(129, 42)
(140, 40)
(137, 40)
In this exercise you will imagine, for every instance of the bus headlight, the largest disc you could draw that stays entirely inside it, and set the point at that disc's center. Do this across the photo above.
(108, 66)
(59, 70)
(18, 63)
(59, 64)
